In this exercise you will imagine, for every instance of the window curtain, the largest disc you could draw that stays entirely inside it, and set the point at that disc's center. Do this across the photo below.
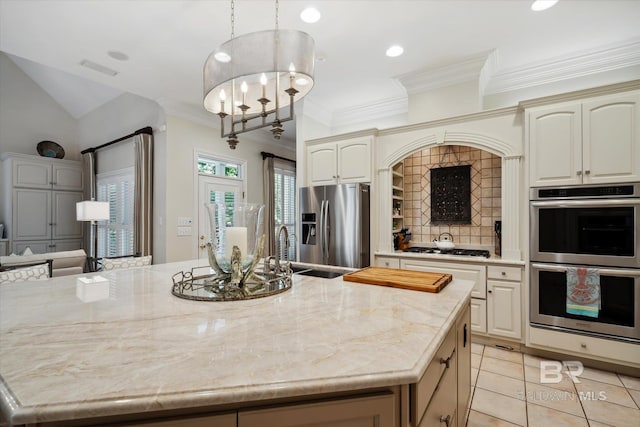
(89, 171)
(269, 203)
(143, 197)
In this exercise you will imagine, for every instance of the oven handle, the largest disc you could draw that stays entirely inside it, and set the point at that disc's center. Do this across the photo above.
(586, 203)
(604, 271)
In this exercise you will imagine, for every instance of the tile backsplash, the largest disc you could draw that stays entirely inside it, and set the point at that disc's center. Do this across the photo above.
(486, 207)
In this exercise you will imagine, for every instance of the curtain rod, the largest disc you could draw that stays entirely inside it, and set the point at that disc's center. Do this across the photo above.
(146, 130)
(265, 155)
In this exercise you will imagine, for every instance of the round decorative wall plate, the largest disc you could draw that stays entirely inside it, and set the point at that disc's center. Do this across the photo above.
(50, 149)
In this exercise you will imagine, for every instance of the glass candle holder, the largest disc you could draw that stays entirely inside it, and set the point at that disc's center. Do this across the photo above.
(236, 232)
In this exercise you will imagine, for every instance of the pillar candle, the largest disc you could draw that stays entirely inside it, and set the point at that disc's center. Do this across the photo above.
(236, 236)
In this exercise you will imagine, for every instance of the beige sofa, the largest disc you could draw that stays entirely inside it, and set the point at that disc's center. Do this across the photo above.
(64, 262)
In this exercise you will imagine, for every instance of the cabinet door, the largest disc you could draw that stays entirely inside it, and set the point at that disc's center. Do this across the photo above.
(226, 420)
(354, 160)
(67, 177)
(321, 160)
(503, 309)
(31, 215)
(463, 347)
(32, 174)
(479, 315)
(611, 145)
(378, 411)
(65, 245)
(65, 225)
(35, 246)
(555, 146)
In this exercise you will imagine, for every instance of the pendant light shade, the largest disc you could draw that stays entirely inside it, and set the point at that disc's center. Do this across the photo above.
(285, 57)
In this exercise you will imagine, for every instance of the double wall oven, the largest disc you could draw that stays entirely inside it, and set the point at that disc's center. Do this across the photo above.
(594, 227)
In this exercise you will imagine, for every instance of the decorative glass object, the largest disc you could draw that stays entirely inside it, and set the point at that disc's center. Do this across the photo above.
(235, 248)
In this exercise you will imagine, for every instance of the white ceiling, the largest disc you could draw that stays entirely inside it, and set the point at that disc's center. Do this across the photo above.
(167, 42)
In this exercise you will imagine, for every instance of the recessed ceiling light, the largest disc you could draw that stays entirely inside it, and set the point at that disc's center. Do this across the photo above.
(301, 81)
(310, 15)
(395, 50)
(539, 5)
(120, 56)
(222, 57)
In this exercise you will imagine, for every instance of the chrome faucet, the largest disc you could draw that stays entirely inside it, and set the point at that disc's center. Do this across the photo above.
(286, 244)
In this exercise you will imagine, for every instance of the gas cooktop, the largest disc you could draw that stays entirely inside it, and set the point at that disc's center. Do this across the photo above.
(455, 251)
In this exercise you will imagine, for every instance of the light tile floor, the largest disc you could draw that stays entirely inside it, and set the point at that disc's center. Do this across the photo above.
(507, 391)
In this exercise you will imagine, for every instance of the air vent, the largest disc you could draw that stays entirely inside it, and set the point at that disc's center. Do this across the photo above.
(97, 67)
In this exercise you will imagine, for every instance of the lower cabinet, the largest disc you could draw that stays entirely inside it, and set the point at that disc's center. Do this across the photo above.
(388, 262)
(223, 420)
(370, 411)
(463, 347)
(504, 312)
(479, 315)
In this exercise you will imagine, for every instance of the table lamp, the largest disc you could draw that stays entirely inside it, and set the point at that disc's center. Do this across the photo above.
(94, 211)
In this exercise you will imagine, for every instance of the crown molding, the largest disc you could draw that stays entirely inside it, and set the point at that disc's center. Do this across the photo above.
(433, 78)
(317, 112)
(371, 111)
(586, 63)
(581, 94)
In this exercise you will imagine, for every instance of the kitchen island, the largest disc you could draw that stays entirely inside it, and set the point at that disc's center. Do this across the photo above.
(76, 353)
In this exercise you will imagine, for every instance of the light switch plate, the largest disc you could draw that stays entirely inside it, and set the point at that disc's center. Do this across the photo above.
(184, 231)
(185, 220)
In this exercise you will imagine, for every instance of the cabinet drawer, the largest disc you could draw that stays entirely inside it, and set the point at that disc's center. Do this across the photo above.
(388, 262)
(423, 390)
(442, 408)
(473, 272)
(504, 273)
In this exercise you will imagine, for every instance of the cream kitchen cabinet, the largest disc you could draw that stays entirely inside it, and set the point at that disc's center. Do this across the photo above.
(463, 347)
(475, 272)
(369, 411)
(595, 141)
(39, 203)
(388, 262)
(46, 173)
(223, 420)
(339, 162)
(504, 306)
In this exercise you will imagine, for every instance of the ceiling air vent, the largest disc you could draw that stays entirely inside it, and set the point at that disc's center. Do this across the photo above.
(97, 67)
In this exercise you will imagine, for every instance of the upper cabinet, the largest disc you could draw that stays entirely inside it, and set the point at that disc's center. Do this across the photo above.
(340, 162)
(46, 174)
(590, 142)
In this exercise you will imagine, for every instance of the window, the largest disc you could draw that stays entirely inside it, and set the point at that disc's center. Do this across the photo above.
(115, 236)
(217, 167)
(285, 206)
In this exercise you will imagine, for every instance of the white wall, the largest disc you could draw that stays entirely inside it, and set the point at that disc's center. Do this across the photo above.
(29, 115)
(184, 138)
(450, 101)
(123, 116)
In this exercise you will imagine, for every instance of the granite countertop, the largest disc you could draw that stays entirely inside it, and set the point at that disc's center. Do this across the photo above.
(69, 350)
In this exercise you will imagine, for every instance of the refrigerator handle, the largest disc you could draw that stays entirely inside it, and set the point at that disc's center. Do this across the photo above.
(321, 231)
(325, 232)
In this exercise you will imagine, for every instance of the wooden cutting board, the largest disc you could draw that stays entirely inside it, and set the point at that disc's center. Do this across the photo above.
(406, 279)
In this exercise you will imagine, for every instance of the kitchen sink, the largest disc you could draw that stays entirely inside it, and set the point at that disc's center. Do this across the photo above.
(320, 273)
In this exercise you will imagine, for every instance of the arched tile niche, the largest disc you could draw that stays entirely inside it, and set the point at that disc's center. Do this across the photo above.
(499, 133)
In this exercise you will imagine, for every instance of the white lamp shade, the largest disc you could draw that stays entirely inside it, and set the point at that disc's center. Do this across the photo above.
(91, 210)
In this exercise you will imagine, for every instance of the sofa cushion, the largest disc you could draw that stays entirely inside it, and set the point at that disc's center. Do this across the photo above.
(37, 272)
(61, 260)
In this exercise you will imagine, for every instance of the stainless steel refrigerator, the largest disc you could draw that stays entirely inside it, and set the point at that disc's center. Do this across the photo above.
(334, 225)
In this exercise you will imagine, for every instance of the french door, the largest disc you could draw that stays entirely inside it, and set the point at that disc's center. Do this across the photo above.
(214, 190)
